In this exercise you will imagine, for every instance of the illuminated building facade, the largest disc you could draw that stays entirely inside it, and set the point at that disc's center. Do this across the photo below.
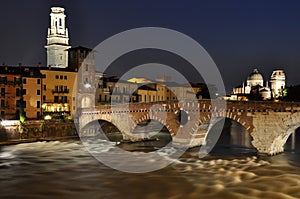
(32, 92)
(20, 86)
(82, 60)
(57, 97)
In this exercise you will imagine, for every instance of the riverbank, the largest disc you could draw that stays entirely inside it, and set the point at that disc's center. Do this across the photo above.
(37, 130)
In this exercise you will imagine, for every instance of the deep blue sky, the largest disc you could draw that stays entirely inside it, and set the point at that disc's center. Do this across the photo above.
(239, 35)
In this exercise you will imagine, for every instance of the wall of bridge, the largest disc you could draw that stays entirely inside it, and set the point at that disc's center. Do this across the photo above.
(269, 123)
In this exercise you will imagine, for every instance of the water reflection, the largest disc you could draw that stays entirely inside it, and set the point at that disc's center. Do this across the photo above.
(234, 139)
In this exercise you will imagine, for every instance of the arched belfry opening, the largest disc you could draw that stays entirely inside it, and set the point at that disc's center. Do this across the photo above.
(233, 138)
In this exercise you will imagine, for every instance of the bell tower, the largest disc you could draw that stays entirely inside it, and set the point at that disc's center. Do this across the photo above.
(57, 39)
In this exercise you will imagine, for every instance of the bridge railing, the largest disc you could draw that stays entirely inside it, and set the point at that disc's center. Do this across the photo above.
(245, 105)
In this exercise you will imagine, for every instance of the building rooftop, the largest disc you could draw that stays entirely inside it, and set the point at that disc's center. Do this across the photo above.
(24, 71)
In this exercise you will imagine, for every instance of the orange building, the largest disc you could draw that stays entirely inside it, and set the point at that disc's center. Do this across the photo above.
(32, 92)
(19, 87)
(10, 87)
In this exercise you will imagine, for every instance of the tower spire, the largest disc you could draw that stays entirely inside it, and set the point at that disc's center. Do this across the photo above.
(57, 39)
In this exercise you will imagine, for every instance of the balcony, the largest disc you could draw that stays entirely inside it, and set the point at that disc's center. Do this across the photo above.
(61, 91)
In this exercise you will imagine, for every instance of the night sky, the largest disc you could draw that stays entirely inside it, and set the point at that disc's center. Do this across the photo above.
(239, 35)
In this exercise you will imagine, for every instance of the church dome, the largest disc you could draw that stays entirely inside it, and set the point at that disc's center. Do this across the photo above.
(255, 75)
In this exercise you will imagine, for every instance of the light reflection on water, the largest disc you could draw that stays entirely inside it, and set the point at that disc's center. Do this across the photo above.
(64, 169)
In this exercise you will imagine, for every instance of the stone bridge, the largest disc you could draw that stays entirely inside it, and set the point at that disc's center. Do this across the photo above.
(269, 123)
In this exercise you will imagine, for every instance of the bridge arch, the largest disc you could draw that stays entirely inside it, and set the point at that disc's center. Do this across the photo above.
(155, 118)
(102, 129)
(225, 135)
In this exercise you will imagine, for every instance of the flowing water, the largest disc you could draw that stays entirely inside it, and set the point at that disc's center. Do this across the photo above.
(64, 169)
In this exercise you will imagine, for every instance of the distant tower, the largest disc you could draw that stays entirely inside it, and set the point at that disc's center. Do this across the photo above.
(277, 83)
(57, 39)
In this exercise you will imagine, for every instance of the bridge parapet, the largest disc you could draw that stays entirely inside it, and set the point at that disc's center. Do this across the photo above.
(269, 123)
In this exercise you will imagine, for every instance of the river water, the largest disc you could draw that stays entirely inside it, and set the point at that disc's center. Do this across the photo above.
(65, 169)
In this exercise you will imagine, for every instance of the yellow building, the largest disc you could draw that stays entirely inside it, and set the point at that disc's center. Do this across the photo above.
(147, 93)
(58, 87)
(32, 92)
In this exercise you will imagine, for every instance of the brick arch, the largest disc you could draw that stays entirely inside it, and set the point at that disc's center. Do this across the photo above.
(88, 118)
(239, 117)
(147, 117)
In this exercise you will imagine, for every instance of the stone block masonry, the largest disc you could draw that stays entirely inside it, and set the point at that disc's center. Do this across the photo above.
(37, 131)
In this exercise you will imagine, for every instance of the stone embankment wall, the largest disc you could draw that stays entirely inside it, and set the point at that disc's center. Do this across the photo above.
(37, 131)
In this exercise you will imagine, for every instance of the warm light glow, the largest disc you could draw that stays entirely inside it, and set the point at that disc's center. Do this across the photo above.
(47, 117)
(10, 122)
(87, 85)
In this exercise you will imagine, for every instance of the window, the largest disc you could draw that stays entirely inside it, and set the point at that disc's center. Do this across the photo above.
(60, 24)
(56, 99)
(56, 76)
(24, 91)
(3, 80)
(38, 104)
(65, 77)
(17, 92)
(2, 91)
(45, 87)
(2, 114)
(24, 104)
(24, 81)
(2, 103)
(38, 92)
(65, 99)
(86, 67)
(44, 97)
(73, 98)
(18, 103)
(60, 77)
(38, 81)
(38, 114)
